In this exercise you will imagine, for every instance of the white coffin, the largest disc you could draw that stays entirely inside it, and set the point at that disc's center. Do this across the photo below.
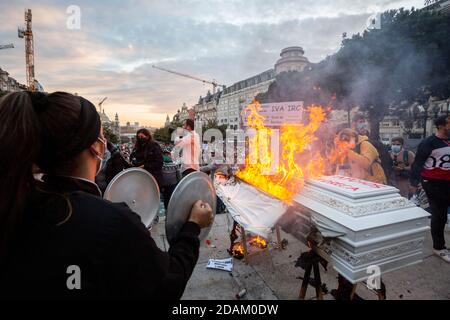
(377, 225)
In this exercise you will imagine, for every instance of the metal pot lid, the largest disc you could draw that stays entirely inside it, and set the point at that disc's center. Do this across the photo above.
(195, 186)
(139, 190)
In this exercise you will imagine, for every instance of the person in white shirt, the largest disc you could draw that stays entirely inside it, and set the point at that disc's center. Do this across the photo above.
(190, 149)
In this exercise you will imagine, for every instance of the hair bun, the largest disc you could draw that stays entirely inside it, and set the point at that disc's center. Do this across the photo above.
(39, 101)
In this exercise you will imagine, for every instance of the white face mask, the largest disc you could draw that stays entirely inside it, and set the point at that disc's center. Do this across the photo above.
(396, 148)
(104, 158)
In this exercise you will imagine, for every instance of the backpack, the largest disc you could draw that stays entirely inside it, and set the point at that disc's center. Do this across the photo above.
(170, 174)
(385, 160)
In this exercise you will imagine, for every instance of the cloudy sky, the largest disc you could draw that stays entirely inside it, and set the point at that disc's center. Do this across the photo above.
(112, 53)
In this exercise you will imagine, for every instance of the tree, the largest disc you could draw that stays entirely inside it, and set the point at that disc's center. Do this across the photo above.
(406, 60)
(212, 124)
(110, 135)
(163, 134)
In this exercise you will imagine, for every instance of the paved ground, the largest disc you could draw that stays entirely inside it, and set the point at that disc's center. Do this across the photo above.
(275, 276)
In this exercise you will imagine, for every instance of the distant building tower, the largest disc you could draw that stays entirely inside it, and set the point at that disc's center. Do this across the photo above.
(167, 123)
(292, 59)
(116, 126)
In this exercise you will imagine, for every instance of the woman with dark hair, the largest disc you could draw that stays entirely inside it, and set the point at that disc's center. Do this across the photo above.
(147, 154)
(58, 237)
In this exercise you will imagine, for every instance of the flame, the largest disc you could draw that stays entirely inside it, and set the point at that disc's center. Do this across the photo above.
(238, 250)
(257, 241)
(299, 160)
(340, 151)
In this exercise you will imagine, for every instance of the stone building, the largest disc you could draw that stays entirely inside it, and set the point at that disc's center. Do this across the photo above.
(235, 97)
(186, 113)
(9, 84)
(292, 59)
(167, 123)
(206, 108)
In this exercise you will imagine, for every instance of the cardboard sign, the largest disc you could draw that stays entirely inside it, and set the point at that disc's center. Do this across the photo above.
(277, 114)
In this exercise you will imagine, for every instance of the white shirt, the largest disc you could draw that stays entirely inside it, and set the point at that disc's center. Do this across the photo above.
(190, 151)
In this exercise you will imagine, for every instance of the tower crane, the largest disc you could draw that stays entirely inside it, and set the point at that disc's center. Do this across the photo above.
(27, 33)
(100, 104)
(6, 46)
(213, 82)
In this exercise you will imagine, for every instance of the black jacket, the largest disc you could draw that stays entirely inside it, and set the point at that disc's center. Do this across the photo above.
(114, 165)
(115, 253)
(149, 155)
(431, 161)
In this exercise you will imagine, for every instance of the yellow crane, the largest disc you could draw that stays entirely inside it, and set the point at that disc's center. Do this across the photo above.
(213, 82)
(27, 34)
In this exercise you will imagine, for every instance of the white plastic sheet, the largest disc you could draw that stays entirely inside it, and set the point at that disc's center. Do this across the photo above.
(252, 209)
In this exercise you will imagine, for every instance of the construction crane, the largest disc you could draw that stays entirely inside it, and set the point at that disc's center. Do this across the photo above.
(27, 33)
(100, 104)
(6, 46)
(214, 83)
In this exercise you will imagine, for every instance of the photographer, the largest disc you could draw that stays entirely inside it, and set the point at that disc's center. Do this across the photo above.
(402, 160)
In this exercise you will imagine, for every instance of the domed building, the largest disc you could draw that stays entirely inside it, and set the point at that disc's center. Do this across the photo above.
(292, 59)
(107, 123)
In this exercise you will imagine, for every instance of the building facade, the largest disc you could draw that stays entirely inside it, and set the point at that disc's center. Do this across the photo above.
(206, 108)
(292, 59)
(181, 115)
(411, 125)
(9, 84)
(442, 6)
(236, 97)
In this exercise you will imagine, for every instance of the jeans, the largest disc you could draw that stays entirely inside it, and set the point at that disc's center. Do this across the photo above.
(438, 193)
(167, 194)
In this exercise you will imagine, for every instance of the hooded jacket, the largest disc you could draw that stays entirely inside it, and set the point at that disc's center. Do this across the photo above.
(366, 163)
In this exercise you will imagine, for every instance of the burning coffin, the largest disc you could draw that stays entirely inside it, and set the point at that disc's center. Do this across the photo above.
(370, 224)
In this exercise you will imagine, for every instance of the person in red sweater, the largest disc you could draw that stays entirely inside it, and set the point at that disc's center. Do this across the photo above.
(431, 167)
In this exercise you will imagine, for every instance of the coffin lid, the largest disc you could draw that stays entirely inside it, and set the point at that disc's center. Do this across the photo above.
(351, 187)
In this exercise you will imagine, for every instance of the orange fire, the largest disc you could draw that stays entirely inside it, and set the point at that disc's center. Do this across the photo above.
(238, 250)
(299, 158)
(340, 151)
(257, 241)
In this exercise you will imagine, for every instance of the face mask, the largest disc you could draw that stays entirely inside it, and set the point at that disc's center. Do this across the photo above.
(396, 148)
(361, 126)
(104, 158)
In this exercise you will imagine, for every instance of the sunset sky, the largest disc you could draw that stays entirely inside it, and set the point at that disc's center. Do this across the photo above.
(113, 51)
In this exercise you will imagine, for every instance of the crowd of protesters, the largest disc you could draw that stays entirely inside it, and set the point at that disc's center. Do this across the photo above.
(423, 177)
